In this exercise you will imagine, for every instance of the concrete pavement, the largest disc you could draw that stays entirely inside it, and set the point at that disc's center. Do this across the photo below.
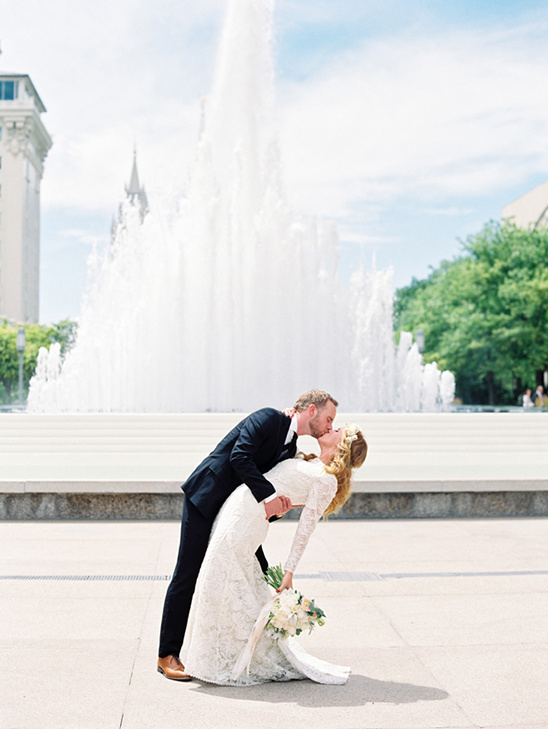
(444, 622)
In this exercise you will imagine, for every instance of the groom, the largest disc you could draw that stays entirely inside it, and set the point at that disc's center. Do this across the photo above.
(253, 447)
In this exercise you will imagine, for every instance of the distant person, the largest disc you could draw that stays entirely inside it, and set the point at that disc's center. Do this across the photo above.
(527, 401)
(538, 396)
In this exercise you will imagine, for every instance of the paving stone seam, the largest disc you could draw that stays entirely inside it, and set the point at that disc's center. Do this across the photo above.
(326, 576)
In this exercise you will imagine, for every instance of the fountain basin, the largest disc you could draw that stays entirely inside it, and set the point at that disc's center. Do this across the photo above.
(97, 465)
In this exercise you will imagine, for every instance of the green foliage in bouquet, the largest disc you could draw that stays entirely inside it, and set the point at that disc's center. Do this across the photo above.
(274, 576)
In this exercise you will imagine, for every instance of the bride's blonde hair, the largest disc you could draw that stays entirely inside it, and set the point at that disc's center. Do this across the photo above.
(351, 453)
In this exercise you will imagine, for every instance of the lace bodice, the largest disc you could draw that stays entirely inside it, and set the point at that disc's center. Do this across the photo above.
(304, 482)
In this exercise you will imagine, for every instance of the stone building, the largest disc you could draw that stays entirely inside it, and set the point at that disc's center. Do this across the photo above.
(529, 210)
(24, 144)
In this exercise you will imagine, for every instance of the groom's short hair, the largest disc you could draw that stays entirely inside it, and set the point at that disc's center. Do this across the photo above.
(319, 398)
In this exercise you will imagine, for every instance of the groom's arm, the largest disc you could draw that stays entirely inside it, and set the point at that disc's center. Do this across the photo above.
(260, 430)
(276, 507)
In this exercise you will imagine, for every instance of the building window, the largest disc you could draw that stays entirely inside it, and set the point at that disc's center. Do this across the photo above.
(8, 90)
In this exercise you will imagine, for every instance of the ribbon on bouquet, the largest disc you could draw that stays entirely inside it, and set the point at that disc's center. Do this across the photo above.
(244, 659)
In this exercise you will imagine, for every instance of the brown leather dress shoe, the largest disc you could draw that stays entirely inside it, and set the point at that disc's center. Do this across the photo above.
(171, 667)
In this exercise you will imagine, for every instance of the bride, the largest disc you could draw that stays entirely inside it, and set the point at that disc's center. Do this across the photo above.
(230, 591)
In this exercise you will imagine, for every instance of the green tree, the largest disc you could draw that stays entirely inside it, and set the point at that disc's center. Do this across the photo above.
(485, 314)
(36, 336)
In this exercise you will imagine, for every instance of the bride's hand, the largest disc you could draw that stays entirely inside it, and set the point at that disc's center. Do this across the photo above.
(290, 412)
(287, 582)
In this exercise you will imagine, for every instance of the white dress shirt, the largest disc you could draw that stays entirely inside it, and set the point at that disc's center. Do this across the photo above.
(292, 430)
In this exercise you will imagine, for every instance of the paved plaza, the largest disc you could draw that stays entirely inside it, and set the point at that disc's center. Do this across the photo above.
(444, 622)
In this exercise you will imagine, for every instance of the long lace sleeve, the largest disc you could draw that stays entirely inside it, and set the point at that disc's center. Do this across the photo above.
(323, 490)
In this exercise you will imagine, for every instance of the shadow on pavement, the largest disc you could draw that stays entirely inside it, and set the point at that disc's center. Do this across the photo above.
(359, 690)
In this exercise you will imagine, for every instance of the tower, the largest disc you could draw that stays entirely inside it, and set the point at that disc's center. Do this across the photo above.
(24, 144)
(135, 193)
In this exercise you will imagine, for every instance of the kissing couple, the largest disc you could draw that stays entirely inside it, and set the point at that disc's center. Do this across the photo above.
(217, 590)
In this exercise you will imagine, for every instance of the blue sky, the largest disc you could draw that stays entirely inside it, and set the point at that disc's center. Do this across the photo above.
(409, 124)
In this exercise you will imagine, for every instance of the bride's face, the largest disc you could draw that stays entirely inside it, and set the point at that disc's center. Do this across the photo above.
(331, 440)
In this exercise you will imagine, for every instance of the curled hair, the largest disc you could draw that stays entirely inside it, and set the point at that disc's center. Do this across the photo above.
(319, 398)
(347, 456)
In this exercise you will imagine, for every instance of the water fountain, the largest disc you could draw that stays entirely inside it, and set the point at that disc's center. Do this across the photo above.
(229, 300)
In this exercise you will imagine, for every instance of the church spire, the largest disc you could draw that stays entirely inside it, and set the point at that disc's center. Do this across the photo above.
(136, 195)
(134, 191)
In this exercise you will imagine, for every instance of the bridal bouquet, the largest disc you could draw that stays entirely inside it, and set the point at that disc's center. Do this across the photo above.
(286, 614)
(291, 612)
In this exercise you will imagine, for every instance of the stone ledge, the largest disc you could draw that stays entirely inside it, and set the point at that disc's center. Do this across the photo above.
(146, 506)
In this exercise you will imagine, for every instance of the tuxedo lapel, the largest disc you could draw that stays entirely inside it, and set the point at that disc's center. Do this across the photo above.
(289, 449)
(293, 446)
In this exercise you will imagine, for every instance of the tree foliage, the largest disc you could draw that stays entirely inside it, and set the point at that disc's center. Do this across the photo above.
(485, 314)
(36, 336)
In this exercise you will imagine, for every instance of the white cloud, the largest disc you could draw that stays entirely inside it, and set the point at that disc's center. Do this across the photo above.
(366, 13)
(431, 117)
(111, 75)
(87, 168)
(447, 212)
(389, 113)
(406, 111)
(418, 116)
(365, 239)
(83, 236)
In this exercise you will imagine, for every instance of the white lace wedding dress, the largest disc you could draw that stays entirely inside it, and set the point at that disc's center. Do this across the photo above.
(230, 591)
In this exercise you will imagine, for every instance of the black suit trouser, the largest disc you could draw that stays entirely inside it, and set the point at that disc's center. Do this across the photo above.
(195, 531)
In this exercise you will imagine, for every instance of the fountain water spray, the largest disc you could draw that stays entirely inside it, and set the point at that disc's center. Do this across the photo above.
(228, 300)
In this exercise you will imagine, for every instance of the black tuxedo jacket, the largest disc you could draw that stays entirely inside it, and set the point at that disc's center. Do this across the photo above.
(251, 448)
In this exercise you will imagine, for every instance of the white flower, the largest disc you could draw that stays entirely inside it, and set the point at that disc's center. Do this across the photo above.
(292, 613)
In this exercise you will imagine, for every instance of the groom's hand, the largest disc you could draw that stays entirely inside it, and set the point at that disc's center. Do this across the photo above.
(277, 507)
